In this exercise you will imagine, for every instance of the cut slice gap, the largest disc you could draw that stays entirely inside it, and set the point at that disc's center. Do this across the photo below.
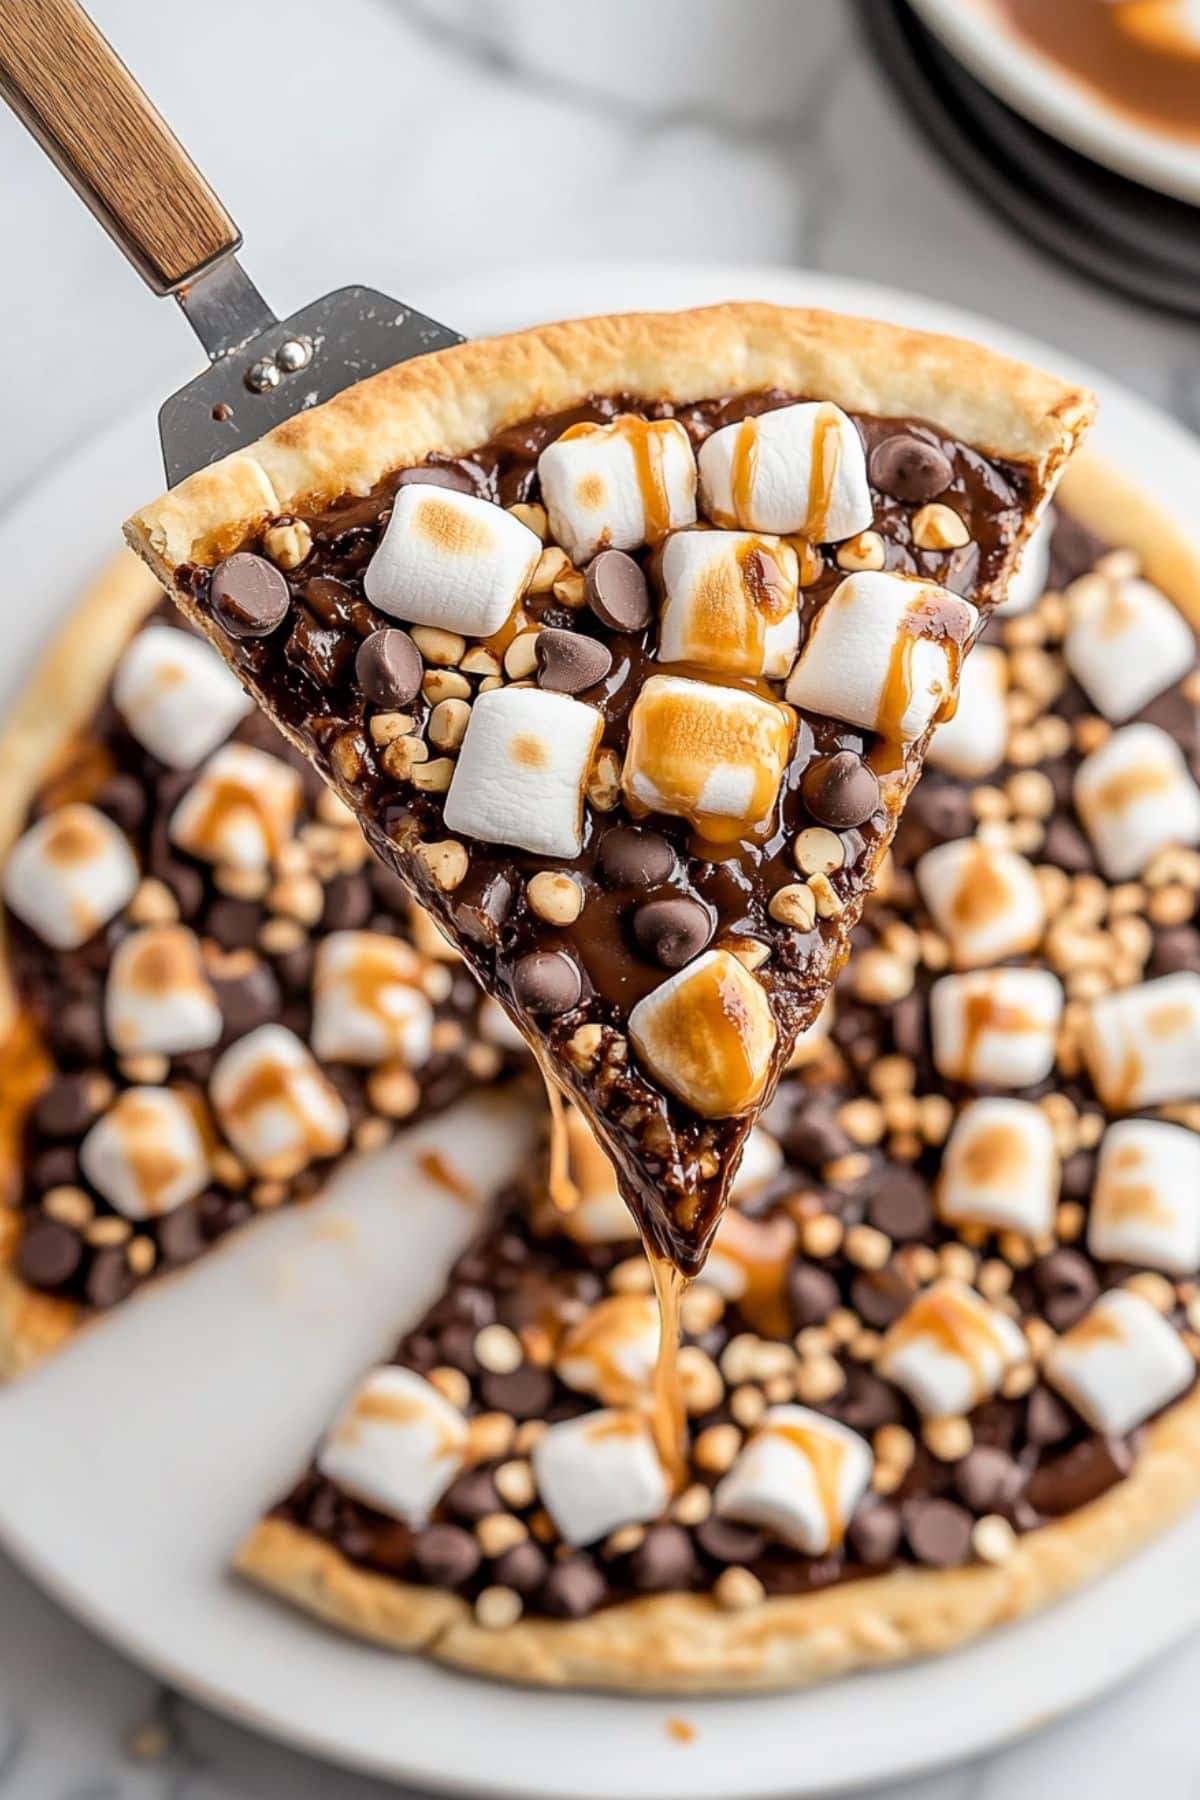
(643, 781)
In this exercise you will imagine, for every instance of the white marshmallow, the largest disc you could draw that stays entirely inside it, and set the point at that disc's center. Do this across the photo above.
(1000, 1168)
(761, 1161)
(729, 603)
(995, 1028)
(708, 1034)
(176, 695)
(274, 1105)
(950, 1350)
(985, 900)
(1125, 644)
(70, 874)
(598, 1472)
(749, 1261)
(612, 1351)
(397, 1445)
(800, 1476)
(450, 560)
(1142, 1044)
(1119, 1364)
(158, 999)
(883, 653)
(973, 742)
(520, 774)
(618, 486)
(1146, 1198)
(798, 469)
(240, 810)
(1027, 583)
(496, 1026)
(145, 1154)
(1136, 796)
(368, 1004)
(713, 755)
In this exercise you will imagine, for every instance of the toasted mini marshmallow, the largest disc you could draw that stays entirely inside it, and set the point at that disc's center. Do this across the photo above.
(618, 486)
(70, 874)
(1000, 1168)
(240, 810)
(1125, 644)
(611, 1352)
(729, 602)
(397, 1445)
(950, 1350)
(1135, 796)
(798, 469)
(708, 1034)
(883, 653)
(712, 755)
(176, 695)
(749, 1262)
(274, 1105)
(597, 1472)
(450, 560)
(972, 743)
(145, 1154)
(368, 1005)
(800, 1477)
(158, 999)
(986, 901)
(1119, 1364)
(1145, 1204)
(1142, 1044)
(520, 774)
(995, 1028)
(1028, 581)
(761, 1161)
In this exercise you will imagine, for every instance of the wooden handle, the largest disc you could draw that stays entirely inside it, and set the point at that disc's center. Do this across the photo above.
(80, 101)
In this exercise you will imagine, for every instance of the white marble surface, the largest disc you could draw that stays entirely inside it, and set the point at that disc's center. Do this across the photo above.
(401, 143)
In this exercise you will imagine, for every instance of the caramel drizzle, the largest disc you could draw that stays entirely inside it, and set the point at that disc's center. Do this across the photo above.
(374, 1408)
(957, 1330)
(598, 1339)
(824, 1456)
(743, 470)
(668, 1416)
(925, 620)
(561, 1186)
(823, 471)
(647, 440)
(762, 1249)
(983, 1012)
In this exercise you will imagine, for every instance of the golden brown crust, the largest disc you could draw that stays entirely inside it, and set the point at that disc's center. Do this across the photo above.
(681, 1643)
(457, 399)
(1104, 499)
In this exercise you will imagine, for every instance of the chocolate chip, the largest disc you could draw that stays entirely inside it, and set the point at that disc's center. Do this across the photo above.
(988, 1480)
(672, 932)
(1066, 847)
(388, 667)
(572, 1589)
(1068, 1285)
(1047, 1420)
(907, 468)
(248, 595)
(294, 969)
(630, 857)
(814, 1293)
(77, 1032)
(901, 1206)
(234, 923)
(874, 1533)
(1176, 949)
(840, 791)
(525, 1392)
(348, 903)
(473, 1496)
(1081, 1474)
(879, 1296)
(727, 1542)
(568, 662)
(180, 1235)
(443, 475)
(69, 1105)
(867, 1402)
(1077, 1175)
(814, 1138)
(616, 591)
(942, 809)
(446, 1555)
(58, 1167)
(124, 799)
(109, 1279)
(49, 1253)
(664, 1560)
(938, 1532)
(547, 981)
(186, 883)
(247, 1000)
(523, 1568)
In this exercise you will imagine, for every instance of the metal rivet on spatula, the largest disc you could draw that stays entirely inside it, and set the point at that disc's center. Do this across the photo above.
(295, 353)
(262, 375)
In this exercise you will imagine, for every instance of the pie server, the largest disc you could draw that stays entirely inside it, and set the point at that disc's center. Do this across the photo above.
(64, 80)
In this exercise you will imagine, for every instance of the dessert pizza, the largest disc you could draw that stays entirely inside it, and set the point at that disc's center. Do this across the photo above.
(940, 1365)
(624, 640)
(210, 992)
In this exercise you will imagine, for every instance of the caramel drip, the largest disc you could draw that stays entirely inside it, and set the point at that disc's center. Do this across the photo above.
(825, 1457)
(402, 1409)
(668, 1417)
(925, 619)
(443, 1174)
(598, 1340)
(955, 1328)
(762, 1250)
(982, 895)
(377, 967)
(743, 470)
(1100, 1327)
(823, 472)
(25, 1069)
(982, 1012)
(647, 440)
(230, 800)
(563, 1190)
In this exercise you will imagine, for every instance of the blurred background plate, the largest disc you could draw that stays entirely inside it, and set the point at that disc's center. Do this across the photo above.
(135, 1461)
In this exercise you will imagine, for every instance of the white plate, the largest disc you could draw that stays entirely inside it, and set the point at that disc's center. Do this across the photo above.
(136, 1460)
(1040, 89)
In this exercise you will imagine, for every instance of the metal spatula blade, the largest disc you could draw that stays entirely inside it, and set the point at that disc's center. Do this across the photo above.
(65, 81)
